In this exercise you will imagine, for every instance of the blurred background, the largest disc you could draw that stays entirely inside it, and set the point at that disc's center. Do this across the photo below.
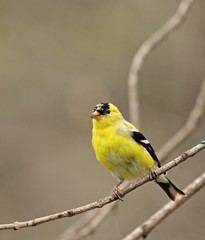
(58, 59)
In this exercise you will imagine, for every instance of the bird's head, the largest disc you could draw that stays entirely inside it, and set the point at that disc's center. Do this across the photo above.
(106, 114)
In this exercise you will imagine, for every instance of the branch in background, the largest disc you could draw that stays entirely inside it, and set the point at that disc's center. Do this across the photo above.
(145, 50)
(144, 229)
(86, 224)
(104, 201)
(189, 126)
(73, 232)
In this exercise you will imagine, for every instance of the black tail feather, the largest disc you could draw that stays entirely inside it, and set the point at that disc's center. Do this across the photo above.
(170, 189)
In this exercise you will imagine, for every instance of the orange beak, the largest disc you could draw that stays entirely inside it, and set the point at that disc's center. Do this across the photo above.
(95, 115)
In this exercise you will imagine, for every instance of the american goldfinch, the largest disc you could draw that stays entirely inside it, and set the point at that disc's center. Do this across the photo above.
(124, 151)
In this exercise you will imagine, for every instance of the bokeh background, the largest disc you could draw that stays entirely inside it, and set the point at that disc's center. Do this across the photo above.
(58, 59)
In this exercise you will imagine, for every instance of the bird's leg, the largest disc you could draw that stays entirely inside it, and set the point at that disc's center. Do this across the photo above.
(117, 191)
(153, 174)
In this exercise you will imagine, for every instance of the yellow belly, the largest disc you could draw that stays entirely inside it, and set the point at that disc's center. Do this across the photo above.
(122, 156)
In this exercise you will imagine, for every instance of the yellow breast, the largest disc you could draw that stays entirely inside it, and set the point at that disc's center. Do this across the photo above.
(119, 153)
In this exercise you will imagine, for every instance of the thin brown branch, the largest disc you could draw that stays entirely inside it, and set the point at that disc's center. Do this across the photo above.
(76, 229)
(104, 201)
(145, 50)
(86, 224)
(188, 128)
(144, 229)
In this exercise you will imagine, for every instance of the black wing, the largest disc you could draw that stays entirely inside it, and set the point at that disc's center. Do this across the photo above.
(140, 138)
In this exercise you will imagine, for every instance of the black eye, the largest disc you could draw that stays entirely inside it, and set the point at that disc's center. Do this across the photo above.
(108, 111)
(102, 112)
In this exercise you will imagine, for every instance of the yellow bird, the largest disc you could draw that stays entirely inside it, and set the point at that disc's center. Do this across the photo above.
(124, 151)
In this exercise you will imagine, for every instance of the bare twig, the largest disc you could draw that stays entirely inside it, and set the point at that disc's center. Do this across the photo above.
(145, 50)
(188, 127)
(86, 224)
(79, 226)
(104, 201)
(144, 229)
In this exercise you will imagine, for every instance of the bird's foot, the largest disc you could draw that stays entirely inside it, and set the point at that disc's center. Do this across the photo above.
(152, 174)
(117, 193)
